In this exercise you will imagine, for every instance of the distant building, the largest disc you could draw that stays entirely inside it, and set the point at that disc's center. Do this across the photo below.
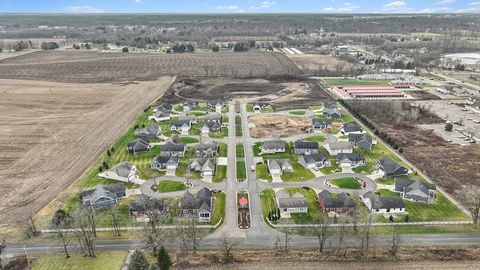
(103, 196)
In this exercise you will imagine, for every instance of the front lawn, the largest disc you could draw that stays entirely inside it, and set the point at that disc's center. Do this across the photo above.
(220, 174)
(289, 152)
(238, 126)
(187, 140)
(241, 172)
(261, 171)
(347, 182)
(298, 112)
(239, 151)
(316, 138)
(196, 113)
(218, 208)
(267, 202)
(111, 260)
(222, 149)
(170, 186)
(314, 212)
(219, 135)
(299, 174)
(334, 168)
(385, 181)
(442, 209)
(387, 193)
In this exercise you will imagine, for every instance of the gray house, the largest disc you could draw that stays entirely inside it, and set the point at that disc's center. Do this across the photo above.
(192, 118)
(321, 123)
(351, 159)
(189, 104)
(205, 166)
(182, 126)
(277, 166)
(209, 149)
(306, 148)
(350, 128)
(215, 105)
(173, 149)
(290, 204)
(103, 196)
(164, 163)
(138, 146)
(124, 171)
(199, 207)
(415, 190)
(258, 106)
(361, 140)
(159, 116)
(314, 162)
(390, 168)
(270, 147)
(383, 204)
(333, 113)
(212, 123)
(166, 108)
(149, 132)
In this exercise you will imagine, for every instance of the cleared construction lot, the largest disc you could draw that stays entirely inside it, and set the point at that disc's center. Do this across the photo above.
(50, 133)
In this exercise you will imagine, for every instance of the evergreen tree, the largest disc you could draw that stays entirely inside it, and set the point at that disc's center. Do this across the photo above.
(138, 261)
(163, 259)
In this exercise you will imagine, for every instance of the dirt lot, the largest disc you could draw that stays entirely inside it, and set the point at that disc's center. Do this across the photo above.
(312, 63)
(84, 66)
(51, 132)
(278, 126)
(282, 94)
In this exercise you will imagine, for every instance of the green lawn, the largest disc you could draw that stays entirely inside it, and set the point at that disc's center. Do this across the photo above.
(347, 182)
(316, 138)
(341, 81)
(239, 150)
(385, 181)
(178, 107)
(218, 208)
(219, 135)
(266, 110)
(170, 186)
(299, 174)
(314, 211)
(261, 171)
(267, 202)
(315, 107)
(387, 193)
(442, 209)
(289, 151)
(373, 155)
(196, 113)
(334, 130)
(220, 174)
(187, 140)
(334, 168)
(241, 172)
(222, 149)
(298, 112)
(238, 126)
(111, 260)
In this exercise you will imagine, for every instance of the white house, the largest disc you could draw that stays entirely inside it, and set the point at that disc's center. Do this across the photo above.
(382, 204)
(290, 204)
(339, 148)
(125, 172)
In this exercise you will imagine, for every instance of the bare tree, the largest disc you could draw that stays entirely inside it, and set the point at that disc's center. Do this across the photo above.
(190, 234)
(116, 226)
(30, 227)
(356, 212)
(395, 242)
(470, 198)
(61, 222)
(228, 244)
(341, 231)
(153, 233)
(91, 219)
(84, 231)
(322, 232)
(365, 234)
(287, 235)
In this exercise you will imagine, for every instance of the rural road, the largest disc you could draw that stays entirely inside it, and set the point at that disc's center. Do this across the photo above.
(453, 80)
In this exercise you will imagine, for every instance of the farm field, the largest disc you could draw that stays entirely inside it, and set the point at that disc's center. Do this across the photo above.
(53, 123)
(278, 126)
(83, 66)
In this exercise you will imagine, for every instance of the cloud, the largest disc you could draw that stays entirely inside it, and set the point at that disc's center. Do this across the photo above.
(229, 7)
(264, 4)
(435, 10)
(472, 7)
(137, 1)
(84, 9)
(347, 7)
(444, 2)
(397, 7)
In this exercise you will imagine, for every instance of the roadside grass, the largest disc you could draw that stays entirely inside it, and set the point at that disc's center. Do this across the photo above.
(314, 212)
(224, 119)
(105, 260)
(241, 170)
(297, 112)
(170, 186)
(316, 138)
(261, 172)
(299, 174)
(220, 174)
(418, 229)
(267, 202)
(315, 107)
(218, 208)
(238, 126)
(385, 181)
(249, 107)
(222, 150)
(346, 182)
(387, 193)
(354, 82)
(240, 153)
(187, 140)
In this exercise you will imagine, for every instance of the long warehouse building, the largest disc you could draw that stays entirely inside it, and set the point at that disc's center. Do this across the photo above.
(368, 91)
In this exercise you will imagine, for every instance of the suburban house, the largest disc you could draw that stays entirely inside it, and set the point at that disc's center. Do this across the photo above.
(144, 207)
(166, 108)
(306, 148)
(138, 146)
(103, 196)
(321, 123)
(383, 204)
(212, 123)
(209, 149)
(290, 204)
(191, 118)
(415, 190)
(336, 148)
(124, 171)
(199, 207)
(205, 166)
(329, 105)
(149, 132)
(164, 163)
(339, 204)
(453, 90)
(215, 106)
(182, 126)
(173, 149)
(259, 106)
(361, 140)
(314, 162)
(350, 128)
(159, 116)
(277, 166)
(333, 113)
(271, 147)
(390, 168)
(189, 104)
(351, 159)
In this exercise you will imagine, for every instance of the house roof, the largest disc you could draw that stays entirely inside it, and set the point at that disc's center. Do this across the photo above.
(278, 163)
(332, 111)
(306, 145)
(360, 138)
(414, 186)
(148, 130)
(144, 203)
(190, 118)
(123, 169)
(340, 146)
(212, 117)
(276, 144)
(350, 157)
(180, 123)
(103, 191)
(169, 146)
(286, 201)
(324, 194)
(330, 105)
(206, 164)
(210, 146)
(137, 144)
(321, 157)
(201, 202)
(389, 166)
(321, 122)
(342, 200)
(165, 159)
(384, 202)
(351, 127)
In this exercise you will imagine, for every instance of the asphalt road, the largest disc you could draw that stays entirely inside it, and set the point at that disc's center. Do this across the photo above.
(453, 80)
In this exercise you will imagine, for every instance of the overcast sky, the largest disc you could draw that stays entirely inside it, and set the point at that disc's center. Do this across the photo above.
(245, 6)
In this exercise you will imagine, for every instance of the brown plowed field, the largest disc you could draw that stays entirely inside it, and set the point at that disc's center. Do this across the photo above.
(50, 133)
(278, 126)
(85, 66)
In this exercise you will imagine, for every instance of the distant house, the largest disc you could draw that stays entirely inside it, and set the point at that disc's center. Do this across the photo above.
(166, 108)
(259, 106)
(164, 163)
(182, 126)
(173, 149)
(361, 140)
(333, 113)
(453, 90)
(192, 118)
(189, 105)
(212, 123)
(159, 116)
(290, 204)
(138, 146)
(278, 166)
(382, 204)
(149, 132)
(306, 148)
(350, 159)
(144, 207)
(199, 207)
(390, 168)
(124, 171)
(350, 128)
(321, 123)
(215, 106)
(271, 147)
(415, 190)
(330, 106)
(339, 148)
(315, 161)
(209, 149)
(205, 166)
(103, 196)
(339, 204)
